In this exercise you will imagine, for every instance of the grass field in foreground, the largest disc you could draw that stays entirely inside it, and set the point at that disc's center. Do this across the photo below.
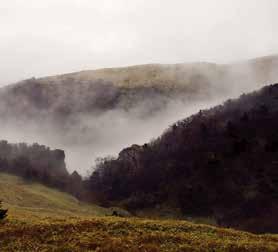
(118, 234)
(42, 219)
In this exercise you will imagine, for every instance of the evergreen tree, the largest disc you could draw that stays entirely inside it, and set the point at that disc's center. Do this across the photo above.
(3, 212)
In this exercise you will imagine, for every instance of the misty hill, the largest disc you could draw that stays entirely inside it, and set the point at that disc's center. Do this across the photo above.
(98, 112)
(124, 88)
(43, 219)
(220, 163)
(183, 74)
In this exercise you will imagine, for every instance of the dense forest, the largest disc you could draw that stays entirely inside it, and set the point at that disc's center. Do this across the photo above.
(219, 163)
(39, 163)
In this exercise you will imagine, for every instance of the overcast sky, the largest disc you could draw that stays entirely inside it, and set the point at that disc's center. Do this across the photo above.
(45, 37)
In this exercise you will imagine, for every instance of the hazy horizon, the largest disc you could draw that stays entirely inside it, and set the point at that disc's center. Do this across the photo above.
(48, 37)
(41, 38)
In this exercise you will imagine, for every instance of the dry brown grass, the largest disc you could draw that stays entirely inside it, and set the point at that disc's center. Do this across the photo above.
(59, 223)
(119, 234)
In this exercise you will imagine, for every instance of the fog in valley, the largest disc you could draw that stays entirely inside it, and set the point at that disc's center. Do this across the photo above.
(93, 114)
(96, 118)
(103, 135)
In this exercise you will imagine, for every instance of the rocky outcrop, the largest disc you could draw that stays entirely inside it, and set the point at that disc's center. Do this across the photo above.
(34, 162)
(59, 162)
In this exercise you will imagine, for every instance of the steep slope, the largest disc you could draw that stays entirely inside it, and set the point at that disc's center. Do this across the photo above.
(95, 113)
(219, 163)
(30, 202)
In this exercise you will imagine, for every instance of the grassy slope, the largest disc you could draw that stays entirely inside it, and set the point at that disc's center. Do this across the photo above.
(177, 74)
(31, 200)
(42, 219)
(140, 75)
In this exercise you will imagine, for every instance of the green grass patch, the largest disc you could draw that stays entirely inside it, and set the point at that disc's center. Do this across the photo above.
(44, 219)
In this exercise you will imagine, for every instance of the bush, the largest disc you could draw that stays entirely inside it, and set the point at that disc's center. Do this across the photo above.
(3, 212)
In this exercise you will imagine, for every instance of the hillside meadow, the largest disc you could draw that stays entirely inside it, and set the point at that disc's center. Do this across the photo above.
(43, 219)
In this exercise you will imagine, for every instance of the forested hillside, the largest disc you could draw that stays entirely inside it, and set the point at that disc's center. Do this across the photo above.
(220, 163)
(38, 163)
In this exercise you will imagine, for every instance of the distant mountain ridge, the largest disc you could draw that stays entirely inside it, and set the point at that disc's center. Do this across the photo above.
(124, 88)
(162, 74)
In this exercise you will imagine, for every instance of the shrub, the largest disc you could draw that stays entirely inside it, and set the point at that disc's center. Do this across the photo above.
(3, 212)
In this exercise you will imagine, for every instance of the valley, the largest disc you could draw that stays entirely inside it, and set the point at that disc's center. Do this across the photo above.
(95, 113)
(44, 219)
(138, 126)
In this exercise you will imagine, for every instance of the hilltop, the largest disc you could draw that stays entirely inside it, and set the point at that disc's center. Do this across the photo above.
(141, 75)
(182, 74)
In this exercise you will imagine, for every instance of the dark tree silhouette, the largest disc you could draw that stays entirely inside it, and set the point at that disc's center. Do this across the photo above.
(3, 212)
(217, 163)
(38, 163)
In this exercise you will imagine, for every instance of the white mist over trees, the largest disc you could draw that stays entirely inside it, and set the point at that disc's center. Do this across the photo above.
(92, 114)
(97, 113)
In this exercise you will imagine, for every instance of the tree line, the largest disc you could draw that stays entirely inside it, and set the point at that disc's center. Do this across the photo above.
(40, 164)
